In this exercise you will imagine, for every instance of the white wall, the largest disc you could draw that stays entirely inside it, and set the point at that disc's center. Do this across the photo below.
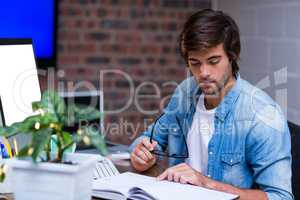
(270, 57)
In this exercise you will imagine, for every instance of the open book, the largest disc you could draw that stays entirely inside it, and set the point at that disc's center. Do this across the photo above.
(138, 187)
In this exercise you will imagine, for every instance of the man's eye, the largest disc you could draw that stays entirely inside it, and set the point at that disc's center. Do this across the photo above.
(196, 64)
(214, 62)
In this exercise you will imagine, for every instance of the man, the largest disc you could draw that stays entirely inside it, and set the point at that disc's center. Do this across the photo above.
(236, 136)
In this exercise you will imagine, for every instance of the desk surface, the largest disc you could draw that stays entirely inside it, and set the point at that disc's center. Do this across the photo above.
(124, 166)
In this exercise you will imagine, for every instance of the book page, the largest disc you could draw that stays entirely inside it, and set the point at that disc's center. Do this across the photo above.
(109, 185)
(138, 193)
(163, 190)
(121, 184)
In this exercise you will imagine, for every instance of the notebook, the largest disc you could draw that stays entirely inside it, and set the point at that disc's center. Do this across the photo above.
(139, 187)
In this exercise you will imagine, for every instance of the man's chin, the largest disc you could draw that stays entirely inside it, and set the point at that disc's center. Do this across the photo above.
(210, 93)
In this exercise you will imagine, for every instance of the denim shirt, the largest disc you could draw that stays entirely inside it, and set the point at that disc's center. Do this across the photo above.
(251, 143)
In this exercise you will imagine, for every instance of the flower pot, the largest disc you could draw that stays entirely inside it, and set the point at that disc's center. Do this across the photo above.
(54, 181)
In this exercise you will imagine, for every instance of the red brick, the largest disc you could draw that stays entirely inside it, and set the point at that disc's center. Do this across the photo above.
(138, 37)
(68, 59)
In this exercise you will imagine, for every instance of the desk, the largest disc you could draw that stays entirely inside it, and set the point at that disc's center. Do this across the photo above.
(126, 166)
(154, 171)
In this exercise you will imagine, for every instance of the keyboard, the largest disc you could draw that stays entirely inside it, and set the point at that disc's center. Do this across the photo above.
(105, 168)
(3, 197)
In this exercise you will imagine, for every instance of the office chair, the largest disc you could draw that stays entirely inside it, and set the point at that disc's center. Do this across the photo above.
(295, 140)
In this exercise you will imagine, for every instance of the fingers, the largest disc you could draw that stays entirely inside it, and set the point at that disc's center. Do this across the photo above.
(141, 156)
(142, 153)
(143, 149)
(147, 153)
(168, 173)
(163, 176)
(173, 174)
(150, 146)
(137, 159)
(184, 174)
(183, 180)
(176, 176)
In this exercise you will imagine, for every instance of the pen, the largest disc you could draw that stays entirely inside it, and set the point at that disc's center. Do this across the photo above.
(1, 154)
(3, 151)
(13, 152)
(8, 148)
(16, 147)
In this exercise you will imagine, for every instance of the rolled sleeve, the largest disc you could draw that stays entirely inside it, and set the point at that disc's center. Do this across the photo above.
(269, 155)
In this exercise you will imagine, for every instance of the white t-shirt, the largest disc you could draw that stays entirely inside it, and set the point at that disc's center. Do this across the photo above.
(199, 136)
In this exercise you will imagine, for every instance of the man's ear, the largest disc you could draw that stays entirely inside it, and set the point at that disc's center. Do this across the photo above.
(186, 64)
(233, 57)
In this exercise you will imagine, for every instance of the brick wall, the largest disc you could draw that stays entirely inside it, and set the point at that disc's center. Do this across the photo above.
(270, 33)
(137, 37)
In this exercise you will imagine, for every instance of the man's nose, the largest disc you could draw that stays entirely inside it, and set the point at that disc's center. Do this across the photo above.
(204, 71)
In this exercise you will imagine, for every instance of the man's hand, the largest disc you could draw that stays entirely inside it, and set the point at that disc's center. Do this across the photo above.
(141, 157)
(183, 173)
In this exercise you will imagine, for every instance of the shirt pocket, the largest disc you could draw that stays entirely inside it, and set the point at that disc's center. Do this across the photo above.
(233, 168)
(177, 141)
(174, 130)
(175, 138)
(231, 159)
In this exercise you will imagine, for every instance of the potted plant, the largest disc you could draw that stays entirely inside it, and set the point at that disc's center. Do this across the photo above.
(38, 172)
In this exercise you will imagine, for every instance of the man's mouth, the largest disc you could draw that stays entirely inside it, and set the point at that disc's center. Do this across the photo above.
(206, 84)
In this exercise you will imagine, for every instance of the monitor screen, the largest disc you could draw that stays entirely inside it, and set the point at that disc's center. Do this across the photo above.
(31, 19)
(19, 84)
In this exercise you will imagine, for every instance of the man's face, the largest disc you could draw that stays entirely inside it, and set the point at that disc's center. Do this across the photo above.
(211, 68)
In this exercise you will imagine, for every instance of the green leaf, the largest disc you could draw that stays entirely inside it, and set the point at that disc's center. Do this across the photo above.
(28, 125)
(53, 118)
(2, 173)
(77, 113)
(40, 139)
(69, 118)
(29, 122)
(52, 103)
(47, 119)
(66, 138)
(96, 139)
(24, 151)
(36, 105)
(12, 130)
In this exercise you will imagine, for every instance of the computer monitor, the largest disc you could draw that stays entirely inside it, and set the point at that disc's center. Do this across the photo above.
(32, 19)
(19, 83)
(1, 115)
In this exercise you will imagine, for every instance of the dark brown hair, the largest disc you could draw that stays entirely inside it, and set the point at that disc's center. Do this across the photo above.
(208, 28)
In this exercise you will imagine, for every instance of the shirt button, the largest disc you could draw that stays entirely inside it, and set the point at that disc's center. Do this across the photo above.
(208, 175)
(210, 153)
(231, 161)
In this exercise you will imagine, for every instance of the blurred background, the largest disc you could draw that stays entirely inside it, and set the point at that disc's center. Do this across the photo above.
(129, 50)
(138, 37)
